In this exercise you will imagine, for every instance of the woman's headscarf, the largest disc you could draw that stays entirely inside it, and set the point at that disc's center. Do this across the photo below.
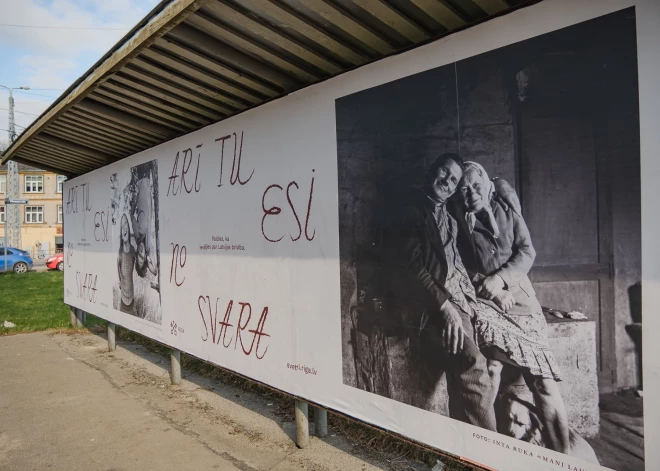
(470, 217)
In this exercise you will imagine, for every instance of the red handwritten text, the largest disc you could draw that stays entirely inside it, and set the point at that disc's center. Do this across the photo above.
(239, 334)
(179, 182)
(86, 286)
(101, 219)
(275, 210)
(179, 257)
(235, 176)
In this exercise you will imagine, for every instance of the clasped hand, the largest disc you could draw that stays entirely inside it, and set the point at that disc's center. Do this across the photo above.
(492, 288)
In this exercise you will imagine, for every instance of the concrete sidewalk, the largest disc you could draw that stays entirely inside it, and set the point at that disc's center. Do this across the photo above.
(68, 404)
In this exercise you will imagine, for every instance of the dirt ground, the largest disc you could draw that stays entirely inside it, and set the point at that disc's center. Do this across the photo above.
(67, 403)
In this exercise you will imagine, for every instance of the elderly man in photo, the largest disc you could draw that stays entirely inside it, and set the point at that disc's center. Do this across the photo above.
(435, 296)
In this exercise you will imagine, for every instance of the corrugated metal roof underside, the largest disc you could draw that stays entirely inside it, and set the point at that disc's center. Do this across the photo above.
(230, 55)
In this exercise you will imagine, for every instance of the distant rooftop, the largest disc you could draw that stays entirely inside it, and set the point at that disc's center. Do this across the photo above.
(21, 168)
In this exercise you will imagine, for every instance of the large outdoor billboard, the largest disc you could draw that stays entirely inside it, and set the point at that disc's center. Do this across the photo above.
(445, 243)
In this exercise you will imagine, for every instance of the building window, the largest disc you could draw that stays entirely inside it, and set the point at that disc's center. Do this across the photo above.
(2, 215)
(3, 183)
(34, 183)
(34, 214)
(60, 183)
(59, 214)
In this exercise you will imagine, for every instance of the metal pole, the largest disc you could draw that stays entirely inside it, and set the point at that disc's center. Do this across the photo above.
(12, 191)
(6, 235)
(320, 422)
(79, 318)
(75, 317)
(11, 134)
(112, 330)
(302, 424)
(175, 358)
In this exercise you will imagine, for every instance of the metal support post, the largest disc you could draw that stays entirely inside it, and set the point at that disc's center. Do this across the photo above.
(320, 422)
(75, 317)
(80, 318)
(175, 357)
(112, 330)
(302, 424)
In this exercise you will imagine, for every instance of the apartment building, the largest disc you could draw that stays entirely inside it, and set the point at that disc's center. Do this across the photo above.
(41, 218)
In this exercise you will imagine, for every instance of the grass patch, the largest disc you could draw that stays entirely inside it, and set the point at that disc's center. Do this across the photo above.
(35, 301)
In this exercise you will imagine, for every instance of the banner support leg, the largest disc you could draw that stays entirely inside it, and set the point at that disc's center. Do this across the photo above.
(175, 358)
(76, 317)
(112, 330)
(302, 424)
(320, 422)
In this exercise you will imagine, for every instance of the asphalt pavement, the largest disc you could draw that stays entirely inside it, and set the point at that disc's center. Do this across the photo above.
(66, 403)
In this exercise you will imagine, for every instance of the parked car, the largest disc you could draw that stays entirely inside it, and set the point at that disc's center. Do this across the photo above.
(56, 262)
(17, 260)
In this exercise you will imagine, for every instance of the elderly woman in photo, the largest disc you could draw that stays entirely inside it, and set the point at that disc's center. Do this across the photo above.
(497, 251)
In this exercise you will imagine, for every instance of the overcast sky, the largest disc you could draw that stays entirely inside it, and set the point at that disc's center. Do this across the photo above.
(48, 60)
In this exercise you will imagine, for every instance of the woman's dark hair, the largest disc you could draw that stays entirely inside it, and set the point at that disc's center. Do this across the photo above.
(432, 171)
(141, 268)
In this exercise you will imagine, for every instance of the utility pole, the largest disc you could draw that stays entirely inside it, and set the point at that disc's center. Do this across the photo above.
(12, 190)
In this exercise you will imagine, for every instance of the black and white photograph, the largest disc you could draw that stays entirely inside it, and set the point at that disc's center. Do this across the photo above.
(490, 241)
(134, 214)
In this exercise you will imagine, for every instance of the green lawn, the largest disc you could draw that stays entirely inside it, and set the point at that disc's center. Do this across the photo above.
(34, 301)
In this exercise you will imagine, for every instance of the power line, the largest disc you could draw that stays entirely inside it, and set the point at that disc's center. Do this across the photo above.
(63, 27)
(22, 112)
(47, 102)
(7, 130)
(36, 94)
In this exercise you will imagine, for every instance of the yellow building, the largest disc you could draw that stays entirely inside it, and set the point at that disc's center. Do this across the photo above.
(41, 218)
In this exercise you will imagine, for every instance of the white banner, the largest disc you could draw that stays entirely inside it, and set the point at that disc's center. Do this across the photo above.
(312, 243)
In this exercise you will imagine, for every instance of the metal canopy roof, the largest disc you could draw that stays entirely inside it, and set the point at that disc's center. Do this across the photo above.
(191, 63)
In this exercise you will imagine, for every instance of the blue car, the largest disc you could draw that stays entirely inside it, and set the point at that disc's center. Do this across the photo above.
(17, 260)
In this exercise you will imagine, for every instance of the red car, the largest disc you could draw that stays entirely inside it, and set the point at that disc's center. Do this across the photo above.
(56, 262)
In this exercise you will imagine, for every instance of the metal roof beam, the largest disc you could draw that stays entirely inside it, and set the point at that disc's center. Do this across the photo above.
(214, 112)
(113, 127)
(277, 61)
(142, 77)
(492, 7)
(150, 112)
(105, 130)
(222, 53)
(40, 166)
(341, 20)
(81, 135)
(270, 35)
(289, 19)
(162, 62)
(43, 153)
(393, 18)
(162, 102)
(129, 119)
(25, 158)
(77, 148)
(440, 13)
